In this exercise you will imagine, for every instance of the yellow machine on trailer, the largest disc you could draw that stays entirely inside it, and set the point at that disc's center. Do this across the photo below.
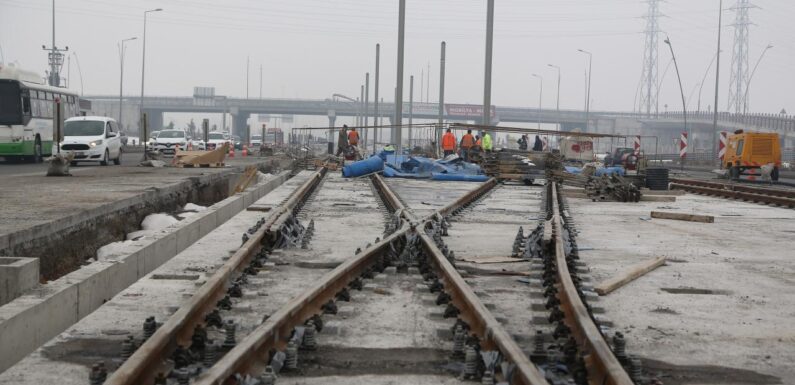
(754, 151)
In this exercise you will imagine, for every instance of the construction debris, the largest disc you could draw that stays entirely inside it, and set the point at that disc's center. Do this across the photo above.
(214, 158)
(628, 275)
(510, 165)
(683, 217)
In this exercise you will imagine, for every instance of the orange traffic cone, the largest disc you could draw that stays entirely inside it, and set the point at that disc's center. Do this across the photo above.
(232, 151)
(245, 151)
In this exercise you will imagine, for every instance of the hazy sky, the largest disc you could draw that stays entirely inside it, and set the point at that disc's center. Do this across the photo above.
(313, 48)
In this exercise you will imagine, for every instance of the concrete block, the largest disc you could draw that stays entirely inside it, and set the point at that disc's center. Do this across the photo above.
(165, 248)
(17, 275)
(187, 234)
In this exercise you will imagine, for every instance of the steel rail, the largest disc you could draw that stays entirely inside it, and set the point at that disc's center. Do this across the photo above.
(482, 323)
(273, 333)
(737, 192)
(602, 365)
(784, 193)
(149, 358)
(248, 355)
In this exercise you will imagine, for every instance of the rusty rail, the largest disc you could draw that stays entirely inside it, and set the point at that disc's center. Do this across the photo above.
(763, 195)
(603, 366)
(248, 355)
(149, 358)
(482, 323)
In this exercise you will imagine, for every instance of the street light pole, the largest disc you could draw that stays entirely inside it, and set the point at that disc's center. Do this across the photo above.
(557, 102)
(143, 73)
(122, 49)
(748, 84)
(698, 107)
(540, 97)
(681, 91)
(397, 131)
(717, 83)
(487, 80)
(588, 91)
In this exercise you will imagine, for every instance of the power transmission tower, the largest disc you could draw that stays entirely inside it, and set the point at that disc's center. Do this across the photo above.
(648, 93)
(738, 80)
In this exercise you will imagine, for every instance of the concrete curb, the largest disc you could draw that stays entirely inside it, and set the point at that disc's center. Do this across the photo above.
(33, 319)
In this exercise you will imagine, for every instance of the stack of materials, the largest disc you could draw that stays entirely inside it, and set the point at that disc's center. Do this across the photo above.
(509, 165)
(611, 187)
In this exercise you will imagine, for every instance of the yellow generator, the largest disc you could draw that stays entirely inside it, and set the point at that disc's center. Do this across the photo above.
(752, 151)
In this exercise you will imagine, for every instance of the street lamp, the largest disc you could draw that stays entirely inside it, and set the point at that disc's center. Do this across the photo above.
(588, 92)
(540, 97)
(681, 90)
(698, 107)
(557, 102)
(748, 84)
(122, 49)
(143, 66)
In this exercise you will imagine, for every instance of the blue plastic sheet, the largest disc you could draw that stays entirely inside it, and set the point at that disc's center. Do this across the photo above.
(417, 167)
(363, 167)
(599, 172)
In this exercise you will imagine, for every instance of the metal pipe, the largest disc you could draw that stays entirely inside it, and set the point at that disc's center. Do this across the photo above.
(375, 99)
(487, 81)
(397, 133)
(143, 73)
(411, 108)
(437, 134)
(366, 108)
(717, 83)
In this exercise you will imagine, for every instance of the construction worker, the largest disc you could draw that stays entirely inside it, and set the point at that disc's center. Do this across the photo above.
(522, 142)
(448, 143)
(538, 145)
(467, 141)
(487, 144)
(478, 141)
(342, 140)
(353, 137)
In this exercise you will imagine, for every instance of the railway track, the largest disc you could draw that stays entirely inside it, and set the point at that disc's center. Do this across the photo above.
(771, 196)
(307, 311)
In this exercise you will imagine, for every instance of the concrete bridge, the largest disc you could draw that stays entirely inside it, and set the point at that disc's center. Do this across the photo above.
(666, 126)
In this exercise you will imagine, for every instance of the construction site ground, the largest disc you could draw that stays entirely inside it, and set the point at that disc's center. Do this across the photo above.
(721, 309)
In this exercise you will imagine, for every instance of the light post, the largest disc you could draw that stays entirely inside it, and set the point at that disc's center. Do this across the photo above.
(681, 91)
(557, 102)
(540, 97)
(698, 106)
(588, 91)
(748, 84)
(122, 49)
(143, 67)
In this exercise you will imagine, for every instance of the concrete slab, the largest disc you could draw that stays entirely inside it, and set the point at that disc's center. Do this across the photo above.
(17, 275)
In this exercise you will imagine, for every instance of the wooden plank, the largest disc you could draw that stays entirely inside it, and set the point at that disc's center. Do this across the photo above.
(256, 207)
(490, 259)
(628, 275)
(245, 180)
(657, 198)
(683, 217)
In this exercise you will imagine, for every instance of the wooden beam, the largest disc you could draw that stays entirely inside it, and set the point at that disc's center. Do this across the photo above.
(683, 217)
(628, 275)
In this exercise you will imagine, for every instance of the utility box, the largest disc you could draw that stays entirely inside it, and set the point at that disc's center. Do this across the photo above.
(17, 275)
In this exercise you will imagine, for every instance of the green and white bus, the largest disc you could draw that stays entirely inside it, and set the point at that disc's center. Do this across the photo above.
(27, 107)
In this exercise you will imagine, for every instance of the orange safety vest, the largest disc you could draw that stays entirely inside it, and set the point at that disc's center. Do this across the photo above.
(478, 142)
(353, 137)
(467, 141)
(448, 142)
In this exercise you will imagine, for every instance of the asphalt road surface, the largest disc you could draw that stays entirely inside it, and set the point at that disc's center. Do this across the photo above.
(22, 168)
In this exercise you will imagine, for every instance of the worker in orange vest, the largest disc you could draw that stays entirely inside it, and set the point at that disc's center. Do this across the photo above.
(353, 137)
(467, 141)
(448, 143)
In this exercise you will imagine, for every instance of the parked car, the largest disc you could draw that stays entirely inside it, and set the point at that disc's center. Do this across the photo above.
(168, 141)
(152, 137)
(256, 141)
(238, 142)
(92, 139)
(217, 139)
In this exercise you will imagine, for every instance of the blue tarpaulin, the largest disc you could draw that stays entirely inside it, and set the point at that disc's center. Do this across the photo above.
(599, 171)
(418, 167)
(363, 167)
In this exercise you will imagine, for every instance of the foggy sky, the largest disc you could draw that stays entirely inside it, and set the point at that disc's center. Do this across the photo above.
(313, 48)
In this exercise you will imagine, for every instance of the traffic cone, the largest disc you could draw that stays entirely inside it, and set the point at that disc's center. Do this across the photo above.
(231, 151)
(245, 151)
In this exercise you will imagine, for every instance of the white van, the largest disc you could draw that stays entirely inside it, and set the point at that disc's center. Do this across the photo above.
(92, 139)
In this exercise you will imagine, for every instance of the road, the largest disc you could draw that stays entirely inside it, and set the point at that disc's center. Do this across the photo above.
(18, 168)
